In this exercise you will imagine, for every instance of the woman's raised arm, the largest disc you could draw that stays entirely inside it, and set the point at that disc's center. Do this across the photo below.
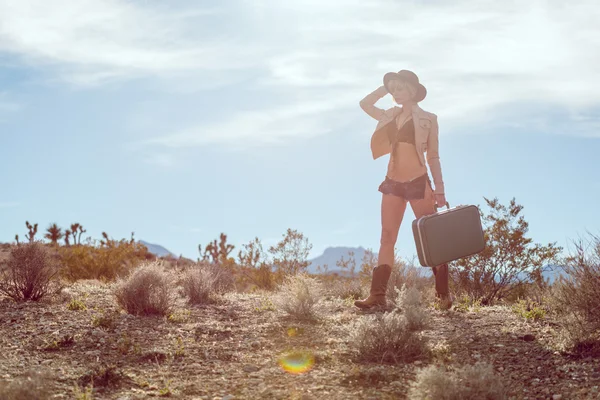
(368, 103)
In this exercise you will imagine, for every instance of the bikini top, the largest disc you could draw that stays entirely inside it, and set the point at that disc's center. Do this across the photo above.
(405, 134)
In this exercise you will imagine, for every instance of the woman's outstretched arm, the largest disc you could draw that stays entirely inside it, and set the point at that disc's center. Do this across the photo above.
(433, 157)
(368, 103)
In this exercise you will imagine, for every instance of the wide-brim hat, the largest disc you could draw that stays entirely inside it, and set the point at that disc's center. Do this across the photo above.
(410, 77)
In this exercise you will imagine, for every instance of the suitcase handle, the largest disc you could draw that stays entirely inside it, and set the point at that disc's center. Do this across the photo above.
(436, 206)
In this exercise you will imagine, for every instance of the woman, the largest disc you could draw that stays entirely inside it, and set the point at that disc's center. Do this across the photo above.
(410, 135)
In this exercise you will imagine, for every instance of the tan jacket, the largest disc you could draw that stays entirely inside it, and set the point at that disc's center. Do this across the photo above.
(426, 134)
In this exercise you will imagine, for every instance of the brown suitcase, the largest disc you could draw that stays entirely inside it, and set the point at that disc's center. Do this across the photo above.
(448, 235)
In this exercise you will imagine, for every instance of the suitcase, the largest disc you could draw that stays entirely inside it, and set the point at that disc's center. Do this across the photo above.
(448, 235)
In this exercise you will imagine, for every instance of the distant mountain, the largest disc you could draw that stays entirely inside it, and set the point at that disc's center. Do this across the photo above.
(552, 273)
(156, 249)
(332, 255)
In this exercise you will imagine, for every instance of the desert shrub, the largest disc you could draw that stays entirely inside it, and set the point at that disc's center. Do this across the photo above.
(30, 386)
(529, 310)
(343, 288)
(290, 255)
(29, 273)
(576, 296)
(148, 290)
(105, 319)
(536, 291)
(509, 257)
(405, 273)
(408, 301)
(200, 283)
(465, 303)
(255, 269)
(470, 382)
(225, 277)
(299, 296)
(102, 376)
(266, 270)
(76, 305)
(386, 338)
(108, 261)
(260, 277)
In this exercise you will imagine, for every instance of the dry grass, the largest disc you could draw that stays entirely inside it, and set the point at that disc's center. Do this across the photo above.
(408, 301)
(576, 299)
(344, 288)
(386, 338)
(470, 382)
(29, 273)
(406, 274)
(200, 283)
(149, 290)
(299, 296)
(393, 337)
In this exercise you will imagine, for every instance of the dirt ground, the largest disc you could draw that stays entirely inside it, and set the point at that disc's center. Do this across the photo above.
(232, 350)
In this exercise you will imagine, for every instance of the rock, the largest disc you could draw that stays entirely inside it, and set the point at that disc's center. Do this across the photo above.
(528, 337)
(250, 368)
(557, 397)
(228, 397)
(98, 332)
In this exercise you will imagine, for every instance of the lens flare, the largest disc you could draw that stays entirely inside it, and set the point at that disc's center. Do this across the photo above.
(297, 362)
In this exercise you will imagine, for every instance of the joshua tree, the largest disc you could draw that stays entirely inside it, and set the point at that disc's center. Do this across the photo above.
(17, 239)
(74, 228)
(76, 232)
(81, 232)
(218, 251)
(106, 240)
(54, 233)
(32, 231)
(67, 233)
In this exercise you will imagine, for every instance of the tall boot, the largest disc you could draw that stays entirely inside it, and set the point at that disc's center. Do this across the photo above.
(442, 288)
(381, 276)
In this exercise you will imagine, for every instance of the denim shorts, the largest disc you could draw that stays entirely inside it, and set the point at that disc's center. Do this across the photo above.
(411, 190)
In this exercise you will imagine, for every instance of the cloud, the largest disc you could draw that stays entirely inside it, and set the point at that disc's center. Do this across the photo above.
(482, 61)
(162, 159)
(7, 106)
(89, 42)
(272, 126)
(474, 57)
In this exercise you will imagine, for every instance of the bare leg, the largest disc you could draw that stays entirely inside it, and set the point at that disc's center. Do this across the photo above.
(392, 212)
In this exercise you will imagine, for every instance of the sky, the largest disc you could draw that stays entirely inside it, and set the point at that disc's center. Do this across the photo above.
(181, 120)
